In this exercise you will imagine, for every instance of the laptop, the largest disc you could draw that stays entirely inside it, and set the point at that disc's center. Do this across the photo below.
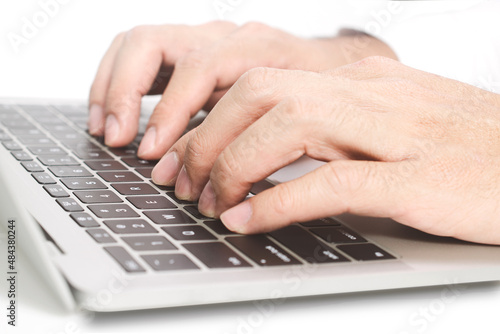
(106, 238)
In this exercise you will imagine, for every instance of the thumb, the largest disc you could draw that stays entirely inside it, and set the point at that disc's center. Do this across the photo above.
(344, 186)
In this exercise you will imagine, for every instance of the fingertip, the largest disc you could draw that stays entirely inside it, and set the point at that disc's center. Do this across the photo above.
(148, 143)
(96, 120)
(166, 170)
(238, 217)
(112, 130)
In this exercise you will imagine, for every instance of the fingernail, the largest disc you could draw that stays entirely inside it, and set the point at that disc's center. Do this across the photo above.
(206, 205)
(95, 123)
(148, 142)
(183, 185)
(166, 169)
(237, 217)
(112, 129)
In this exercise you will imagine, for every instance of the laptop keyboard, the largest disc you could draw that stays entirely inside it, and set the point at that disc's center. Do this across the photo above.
(109, 194)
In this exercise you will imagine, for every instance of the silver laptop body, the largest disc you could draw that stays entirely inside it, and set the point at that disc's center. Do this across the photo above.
(96, 275)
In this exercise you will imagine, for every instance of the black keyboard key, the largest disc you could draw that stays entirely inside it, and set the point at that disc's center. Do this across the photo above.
(80, 144)
(261, 186)
(134, 189)
(124, 259)
(100, 235)
(130, 226)
(193, 209)
(105, 165)
(187, 233)
(321, 222)
(145, 172)
(365, 252)
(21, 156)
(69, 204)
(32, 166)
(165, 188)
(166, 262)
(169, 217)
(119, 176)
(58, 160)
(36, 141)
(58, 128)
(113, 211)
(306, 246)
(149, 243)
(338, 235)
(126, 151)
(68, 171)
(18, 124)
(47, 150)
(216, 255)
(43, 178)
(262, 250)
(171, 194)
(83, 183)
(97, 196)
(56, 190)
(151, 202)
(11, 145)
(136, 162)
(84, 219)
(93, 154)
(48, 121)
(218, 227)
(27, 132)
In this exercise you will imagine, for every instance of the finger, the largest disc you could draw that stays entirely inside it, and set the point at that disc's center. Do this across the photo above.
(214, 99)
(196, 76)
(134, 71)
(358, 187)
(253, 95)
(166, 170)
(323, 130)
(98, 91)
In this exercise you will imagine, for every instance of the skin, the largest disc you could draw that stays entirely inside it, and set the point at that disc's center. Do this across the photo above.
(397, 142)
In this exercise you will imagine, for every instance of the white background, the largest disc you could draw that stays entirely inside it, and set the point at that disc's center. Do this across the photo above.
(60, 60)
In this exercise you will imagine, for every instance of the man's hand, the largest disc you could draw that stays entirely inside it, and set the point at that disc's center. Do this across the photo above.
(193, 67)
(399, 143)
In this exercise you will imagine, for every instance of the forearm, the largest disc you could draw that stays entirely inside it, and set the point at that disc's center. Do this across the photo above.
(347, 47)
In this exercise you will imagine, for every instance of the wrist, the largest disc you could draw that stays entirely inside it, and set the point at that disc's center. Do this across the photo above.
(347, 47)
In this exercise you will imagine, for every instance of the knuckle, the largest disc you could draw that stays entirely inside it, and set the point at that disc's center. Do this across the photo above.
(258, 80)
(284, 199)
(138, 33)
(338, 181)
(376, 61)
(377, 64)
(254, 27)
(195, 148)
(120, 37)
(227, 165)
